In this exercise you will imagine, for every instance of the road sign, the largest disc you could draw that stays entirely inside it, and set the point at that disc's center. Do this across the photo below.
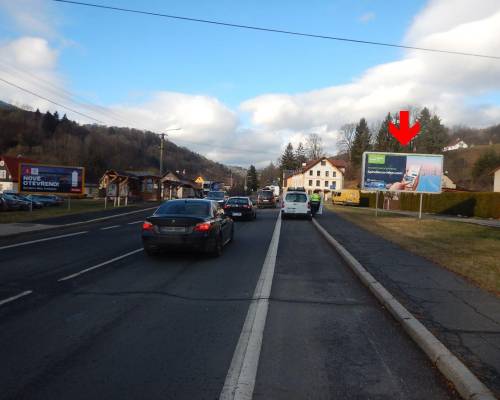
(53, 179)
(402, 172)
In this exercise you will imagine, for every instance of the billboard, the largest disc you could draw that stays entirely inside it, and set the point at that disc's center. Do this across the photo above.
(402, 172)
(54, 179)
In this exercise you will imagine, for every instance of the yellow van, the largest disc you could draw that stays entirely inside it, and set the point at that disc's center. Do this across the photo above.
(346, 197)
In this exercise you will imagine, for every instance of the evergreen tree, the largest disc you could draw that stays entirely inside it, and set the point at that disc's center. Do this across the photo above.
(361, 142)
(49, 124)
(437, 136)
(288, 160)
(300, 154)
(252, 179)
(420, 143)
(383, 136)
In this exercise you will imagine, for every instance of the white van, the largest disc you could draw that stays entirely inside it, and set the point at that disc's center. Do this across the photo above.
(296, 203)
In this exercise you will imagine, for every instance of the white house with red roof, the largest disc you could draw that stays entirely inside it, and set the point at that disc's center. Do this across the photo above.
(456, 145)
(9, 172)
(323, 175)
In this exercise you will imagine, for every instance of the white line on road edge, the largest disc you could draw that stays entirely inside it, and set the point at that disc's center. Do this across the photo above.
(99, 265)
(42, 240)
(135, 222)
(110, 227)
(240, 379)
(17, 296)
(466, 383)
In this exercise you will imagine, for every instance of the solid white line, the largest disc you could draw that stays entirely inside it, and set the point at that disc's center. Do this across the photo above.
(42, 240)
(99, 265)
(240, 379)
(110, 227)
(17, 296)
(135, 222)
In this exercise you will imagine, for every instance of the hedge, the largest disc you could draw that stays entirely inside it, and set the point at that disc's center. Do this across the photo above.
(470, 204)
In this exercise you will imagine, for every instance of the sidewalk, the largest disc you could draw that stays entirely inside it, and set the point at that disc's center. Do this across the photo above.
(465, 318)
(17, 228)
(494, 223)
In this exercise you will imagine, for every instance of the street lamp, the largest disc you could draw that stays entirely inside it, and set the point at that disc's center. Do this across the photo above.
(162, 141)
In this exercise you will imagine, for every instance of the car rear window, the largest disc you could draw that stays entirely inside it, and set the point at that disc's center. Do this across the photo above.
(197, 208)
(240, 200)
(266, 194)
(296, 197)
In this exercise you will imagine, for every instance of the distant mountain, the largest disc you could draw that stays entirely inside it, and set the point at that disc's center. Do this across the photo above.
(51, 139)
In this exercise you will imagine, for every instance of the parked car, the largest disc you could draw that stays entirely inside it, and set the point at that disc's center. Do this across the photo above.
(218, 196)
(57, 199)
(265, 198)
(188, 224)
(45, 200)
(240, 207)
(296, 204)
(9, 202)
(31, 202)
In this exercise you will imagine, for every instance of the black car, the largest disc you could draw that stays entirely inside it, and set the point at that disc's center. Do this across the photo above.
(240, 207)
(187, 224)
(46, 201)
(31, 203)
(9, 202)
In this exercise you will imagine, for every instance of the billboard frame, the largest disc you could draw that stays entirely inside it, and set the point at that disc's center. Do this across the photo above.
(46, 193)
(365, 154)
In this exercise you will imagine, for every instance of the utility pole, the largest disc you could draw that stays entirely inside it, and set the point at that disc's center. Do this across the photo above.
(162, 141)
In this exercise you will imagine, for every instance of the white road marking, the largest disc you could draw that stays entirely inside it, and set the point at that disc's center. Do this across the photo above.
(110, 227)
(240, 379)
(99, 265)
(135, 222)
(42, 240)
(17, 296)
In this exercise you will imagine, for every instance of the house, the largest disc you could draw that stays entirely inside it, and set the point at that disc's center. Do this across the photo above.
(496, 179)
(457, 144)
(137, 185)
(9, 172)
(447, 183)
(175, 186)
(323, 175)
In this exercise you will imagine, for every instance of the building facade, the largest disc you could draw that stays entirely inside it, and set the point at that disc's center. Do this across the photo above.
(9, 172)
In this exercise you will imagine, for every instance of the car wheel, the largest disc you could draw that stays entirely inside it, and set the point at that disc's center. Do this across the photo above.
(218, 247)
(283, 216)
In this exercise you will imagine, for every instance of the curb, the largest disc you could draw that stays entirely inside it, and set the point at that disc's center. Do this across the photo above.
(466, 383)
(88, 221)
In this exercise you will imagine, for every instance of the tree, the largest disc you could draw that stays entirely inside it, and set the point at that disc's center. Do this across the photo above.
(300, 154)
(346, 140)
(421, 141)
(49, 124)
(361, 142)
(383, 135)
(269, 175)
(288, 160)
(485, 164)
(314, 147)
(252, 179)
(437, 136)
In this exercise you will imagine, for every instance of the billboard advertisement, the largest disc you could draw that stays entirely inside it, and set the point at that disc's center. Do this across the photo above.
(54, 179)
(402, 172)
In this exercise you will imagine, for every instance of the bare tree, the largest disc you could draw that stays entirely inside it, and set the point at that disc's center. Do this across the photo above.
(346, 139)
(314, 147)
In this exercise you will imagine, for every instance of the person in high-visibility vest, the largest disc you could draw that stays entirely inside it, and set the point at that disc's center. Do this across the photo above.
(315, 202)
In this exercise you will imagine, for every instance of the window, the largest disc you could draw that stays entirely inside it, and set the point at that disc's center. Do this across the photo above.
(318, 173)
(183, 207)
(318, 183)
(323, 162)
(327, 173)
(310, 172)
(334, 174)
(3, 174)
(326, 184)
(310, 182)
(296, 198)
(334, 185)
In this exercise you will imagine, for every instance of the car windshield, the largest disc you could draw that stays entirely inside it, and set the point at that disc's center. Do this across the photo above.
(237, 200)
(179, 207)
(216, 195)
(296, 198)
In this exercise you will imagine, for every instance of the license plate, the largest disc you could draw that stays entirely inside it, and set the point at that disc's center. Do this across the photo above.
(236, 214)
(172, 229)
(266, 201)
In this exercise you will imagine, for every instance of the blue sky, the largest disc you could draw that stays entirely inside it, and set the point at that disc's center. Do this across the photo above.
(254, 90)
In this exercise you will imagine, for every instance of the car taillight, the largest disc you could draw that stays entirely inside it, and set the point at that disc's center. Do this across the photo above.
(147, 226)
(226, 206)
(309, 205)
(203, 227)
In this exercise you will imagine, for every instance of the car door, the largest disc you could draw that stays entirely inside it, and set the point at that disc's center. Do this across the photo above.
(225, 223)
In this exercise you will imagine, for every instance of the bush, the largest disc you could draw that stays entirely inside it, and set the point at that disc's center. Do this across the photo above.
(470, 204)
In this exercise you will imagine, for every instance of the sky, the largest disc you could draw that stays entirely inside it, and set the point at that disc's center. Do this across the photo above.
(240, 96)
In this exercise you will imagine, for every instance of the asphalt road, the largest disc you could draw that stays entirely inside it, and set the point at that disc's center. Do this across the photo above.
(98, 319)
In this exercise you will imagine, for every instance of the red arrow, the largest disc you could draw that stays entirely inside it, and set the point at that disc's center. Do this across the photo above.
(404, 133)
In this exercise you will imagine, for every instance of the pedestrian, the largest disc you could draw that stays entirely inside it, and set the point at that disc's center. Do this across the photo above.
(315, 202)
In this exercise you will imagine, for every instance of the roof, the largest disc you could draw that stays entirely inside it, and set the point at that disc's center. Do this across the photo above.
(335, 162)
(12, 164)
(455, 142)
(142, 174)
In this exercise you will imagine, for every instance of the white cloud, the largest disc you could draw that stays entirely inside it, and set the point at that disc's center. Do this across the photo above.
(366, 17)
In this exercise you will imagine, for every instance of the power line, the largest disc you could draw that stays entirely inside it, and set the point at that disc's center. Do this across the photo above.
(273, 30)
(50, 101)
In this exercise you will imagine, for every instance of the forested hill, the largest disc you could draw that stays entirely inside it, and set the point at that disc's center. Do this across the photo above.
(50, 139)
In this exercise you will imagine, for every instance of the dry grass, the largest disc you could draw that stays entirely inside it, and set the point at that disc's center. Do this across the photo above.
(472, 251)
(77, 206)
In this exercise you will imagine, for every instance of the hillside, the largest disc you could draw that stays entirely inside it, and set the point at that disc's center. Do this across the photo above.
(51, 139)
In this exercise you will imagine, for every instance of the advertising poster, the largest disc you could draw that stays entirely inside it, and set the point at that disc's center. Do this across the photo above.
(41, 178)
(402, 172)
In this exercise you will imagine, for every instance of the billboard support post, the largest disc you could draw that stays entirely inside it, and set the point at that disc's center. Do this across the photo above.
(420, 210)
(69, 203)
(376, 203)
(105, 202)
